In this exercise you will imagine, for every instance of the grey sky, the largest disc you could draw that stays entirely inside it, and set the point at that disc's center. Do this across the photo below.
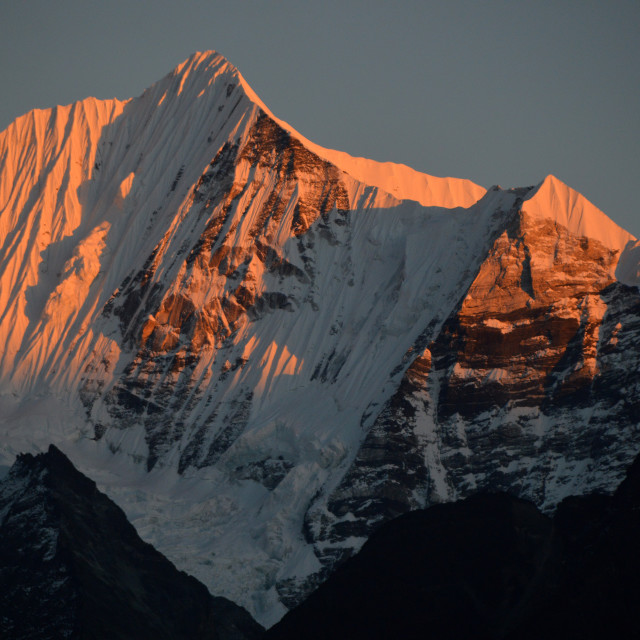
(498, 92)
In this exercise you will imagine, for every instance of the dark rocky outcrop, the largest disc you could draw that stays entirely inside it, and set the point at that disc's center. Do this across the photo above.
(489, 567)
(72, 566)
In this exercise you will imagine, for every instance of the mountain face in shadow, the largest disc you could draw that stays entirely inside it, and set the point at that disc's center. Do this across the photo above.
(489, 567)
(72, 566)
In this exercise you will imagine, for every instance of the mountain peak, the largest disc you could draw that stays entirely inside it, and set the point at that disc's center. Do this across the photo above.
(202, 69)
(52, 461)
(52, 457)
(553, 199)
(204, 63)
(199, 58)
(195, 75)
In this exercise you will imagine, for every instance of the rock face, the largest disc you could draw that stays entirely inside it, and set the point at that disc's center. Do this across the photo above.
(488, 567)
(293, 345)
(72, 566)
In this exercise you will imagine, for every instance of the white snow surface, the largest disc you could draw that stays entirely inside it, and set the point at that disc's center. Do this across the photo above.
(89, 190)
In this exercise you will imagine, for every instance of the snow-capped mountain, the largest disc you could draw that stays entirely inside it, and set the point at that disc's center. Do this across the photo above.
(261, 348)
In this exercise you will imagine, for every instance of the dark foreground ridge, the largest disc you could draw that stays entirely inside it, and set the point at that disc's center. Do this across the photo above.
(489, 567)
(72, 566)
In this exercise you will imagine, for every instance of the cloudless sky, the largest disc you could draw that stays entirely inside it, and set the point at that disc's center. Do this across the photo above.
(500, 92)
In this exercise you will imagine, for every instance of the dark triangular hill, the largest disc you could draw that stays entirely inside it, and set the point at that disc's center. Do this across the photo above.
(72, 566)
(491, 566)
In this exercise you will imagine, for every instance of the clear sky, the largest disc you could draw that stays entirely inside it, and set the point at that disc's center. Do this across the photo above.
(500, 92)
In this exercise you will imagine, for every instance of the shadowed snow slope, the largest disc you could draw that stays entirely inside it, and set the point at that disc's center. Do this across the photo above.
(262, 348)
